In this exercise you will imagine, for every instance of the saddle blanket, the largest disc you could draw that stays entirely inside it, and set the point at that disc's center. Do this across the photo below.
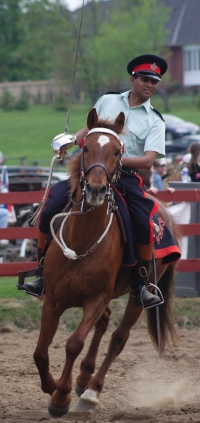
(164, 243)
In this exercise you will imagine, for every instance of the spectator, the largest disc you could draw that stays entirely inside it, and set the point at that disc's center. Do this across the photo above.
(147, 180)
(4, 216)
(194, 163)
(2, 160)
(159, 175)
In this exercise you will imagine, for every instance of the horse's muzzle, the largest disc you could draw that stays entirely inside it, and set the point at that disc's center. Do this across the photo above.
(95, 196)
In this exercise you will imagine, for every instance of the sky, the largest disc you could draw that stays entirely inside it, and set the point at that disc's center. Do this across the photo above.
(74, 4)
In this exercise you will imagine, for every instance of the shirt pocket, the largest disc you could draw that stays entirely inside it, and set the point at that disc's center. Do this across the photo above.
(138, 132)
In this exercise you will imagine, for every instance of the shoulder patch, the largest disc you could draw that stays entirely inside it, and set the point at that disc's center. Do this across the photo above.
(112, 92)
(158, 113)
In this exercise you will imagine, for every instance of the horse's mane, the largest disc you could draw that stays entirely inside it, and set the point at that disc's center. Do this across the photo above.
(116, 127)
(75, 162)
(74, 170)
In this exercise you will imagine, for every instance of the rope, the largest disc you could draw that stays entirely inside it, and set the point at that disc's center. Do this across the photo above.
(71, 254)
(74, 70)
(34, 218)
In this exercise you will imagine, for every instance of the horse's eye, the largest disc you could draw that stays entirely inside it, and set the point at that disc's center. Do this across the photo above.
(117, 153)
(85, 149)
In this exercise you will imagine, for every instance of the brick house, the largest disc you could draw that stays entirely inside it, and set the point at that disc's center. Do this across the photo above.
(183, 42)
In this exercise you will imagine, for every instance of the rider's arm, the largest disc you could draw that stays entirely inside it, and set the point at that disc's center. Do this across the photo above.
(140, 162)
(80, 135)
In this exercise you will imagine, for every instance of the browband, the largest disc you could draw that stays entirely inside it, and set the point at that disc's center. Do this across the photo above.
(106, 131)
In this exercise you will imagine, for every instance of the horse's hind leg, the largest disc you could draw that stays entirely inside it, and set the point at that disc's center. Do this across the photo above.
(88, 363)
(49, 324)
(89, 398)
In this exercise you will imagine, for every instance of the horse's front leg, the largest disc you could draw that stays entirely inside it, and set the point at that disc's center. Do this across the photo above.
(87, 366)
(59, 403)
(49, 324)
(89, 399)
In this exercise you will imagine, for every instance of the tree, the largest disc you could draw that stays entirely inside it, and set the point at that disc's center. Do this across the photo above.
(10, 38)
(47, 27)
(32, 35)
(127, 30)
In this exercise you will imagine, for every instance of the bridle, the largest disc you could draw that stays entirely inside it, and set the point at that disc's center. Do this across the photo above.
(82, 205)
(112, 178)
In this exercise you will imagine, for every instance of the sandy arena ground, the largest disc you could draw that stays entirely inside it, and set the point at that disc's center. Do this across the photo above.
(140, 387)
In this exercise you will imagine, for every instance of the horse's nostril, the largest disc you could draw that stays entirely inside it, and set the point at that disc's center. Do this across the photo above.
(88, 189)
(102, 191)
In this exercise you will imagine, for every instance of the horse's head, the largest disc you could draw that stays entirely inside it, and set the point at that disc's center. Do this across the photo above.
(102, 152)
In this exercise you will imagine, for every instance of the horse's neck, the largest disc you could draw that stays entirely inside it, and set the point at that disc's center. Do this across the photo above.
(86, 228)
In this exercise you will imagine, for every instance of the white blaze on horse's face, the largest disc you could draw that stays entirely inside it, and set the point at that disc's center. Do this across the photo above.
(103, 140)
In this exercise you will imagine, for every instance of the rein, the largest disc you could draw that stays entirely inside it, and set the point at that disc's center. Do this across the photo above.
(71, 254)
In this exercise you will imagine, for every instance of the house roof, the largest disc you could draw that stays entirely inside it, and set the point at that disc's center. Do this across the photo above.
(184, 22)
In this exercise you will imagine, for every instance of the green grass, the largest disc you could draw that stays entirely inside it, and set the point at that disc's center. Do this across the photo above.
(184, 106)
(24, 311)
(8, 288)
(29, 133)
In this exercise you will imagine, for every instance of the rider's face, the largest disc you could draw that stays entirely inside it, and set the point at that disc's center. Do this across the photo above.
(143, 87)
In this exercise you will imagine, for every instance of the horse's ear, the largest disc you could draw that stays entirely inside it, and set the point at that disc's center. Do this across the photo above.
(120, 120)
(92, 119)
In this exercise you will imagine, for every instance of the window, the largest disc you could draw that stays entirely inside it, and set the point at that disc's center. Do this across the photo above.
(192, 58)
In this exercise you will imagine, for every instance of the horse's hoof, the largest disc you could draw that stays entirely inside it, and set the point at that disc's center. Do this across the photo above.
(55, 412)
(85, 405)
(79, 391)
(88, 401)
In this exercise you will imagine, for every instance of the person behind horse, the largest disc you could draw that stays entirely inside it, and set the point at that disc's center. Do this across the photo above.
(144, 138)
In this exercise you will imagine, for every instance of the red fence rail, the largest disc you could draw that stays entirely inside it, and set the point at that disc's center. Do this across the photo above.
(12, 269)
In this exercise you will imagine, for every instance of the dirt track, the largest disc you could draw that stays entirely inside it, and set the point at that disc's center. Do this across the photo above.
(140, 387)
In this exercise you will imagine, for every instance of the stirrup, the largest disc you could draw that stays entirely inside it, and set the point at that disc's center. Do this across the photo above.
(158, 293)
(34, 295)
(23, 278)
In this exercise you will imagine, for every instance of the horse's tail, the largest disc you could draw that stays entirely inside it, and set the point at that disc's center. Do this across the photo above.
(168, 332)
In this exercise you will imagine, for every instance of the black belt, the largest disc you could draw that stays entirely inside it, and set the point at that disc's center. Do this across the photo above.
(129, 169)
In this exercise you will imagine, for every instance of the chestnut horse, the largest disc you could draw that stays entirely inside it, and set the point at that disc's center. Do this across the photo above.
(85, 275)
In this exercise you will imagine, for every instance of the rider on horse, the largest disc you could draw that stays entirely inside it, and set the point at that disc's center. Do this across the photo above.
(144, 138)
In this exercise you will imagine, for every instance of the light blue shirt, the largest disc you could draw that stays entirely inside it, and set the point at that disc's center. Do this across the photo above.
(157, 180)
(144, 130)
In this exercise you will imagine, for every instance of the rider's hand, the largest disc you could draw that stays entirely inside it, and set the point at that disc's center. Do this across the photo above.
(61, 143)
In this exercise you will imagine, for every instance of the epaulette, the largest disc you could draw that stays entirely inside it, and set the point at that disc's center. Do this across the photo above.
(158, 113)
(112, 92)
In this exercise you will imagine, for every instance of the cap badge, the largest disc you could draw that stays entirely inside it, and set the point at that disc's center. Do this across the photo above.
(153, 66)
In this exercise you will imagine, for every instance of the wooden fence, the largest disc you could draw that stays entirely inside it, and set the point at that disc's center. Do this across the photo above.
(12, 269)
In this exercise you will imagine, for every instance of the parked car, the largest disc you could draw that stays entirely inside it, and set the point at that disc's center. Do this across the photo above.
(181, 145)
(30, 178)
(177, 127)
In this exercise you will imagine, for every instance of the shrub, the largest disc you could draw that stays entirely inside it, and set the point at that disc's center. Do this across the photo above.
(198, 101)
(60, 102)
(38, 98)
(23, 102)
(7, 102)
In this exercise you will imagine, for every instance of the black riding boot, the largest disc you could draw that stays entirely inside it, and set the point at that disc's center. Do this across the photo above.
(140, 293)
(36, 287)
